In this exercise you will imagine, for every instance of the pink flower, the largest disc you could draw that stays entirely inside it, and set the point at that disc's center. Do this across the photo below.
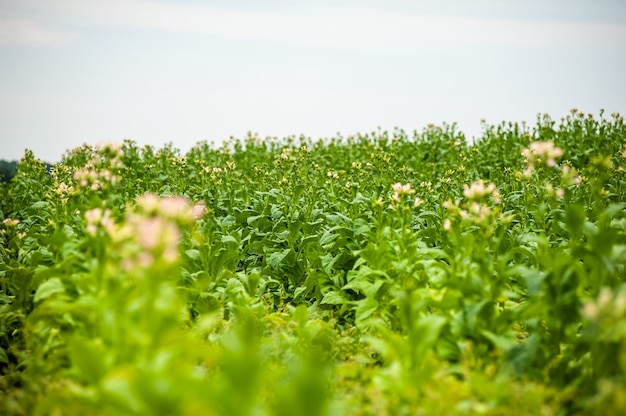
(149, 232)
(198, 210)
(174, 207)
(148, 202)
(542, 154)
(10, 222)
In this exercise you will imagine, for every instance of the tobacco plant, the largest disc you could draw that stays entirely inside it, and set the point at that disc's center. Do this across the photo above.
(381, 273)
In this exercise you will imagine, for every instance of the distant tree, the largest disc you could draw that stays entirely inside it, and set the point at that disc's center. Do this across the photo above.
(7, 170)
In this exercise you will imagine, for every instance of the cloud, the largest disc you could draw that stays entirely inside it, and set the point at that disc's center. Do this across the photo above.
(357, 28)
(28, 32)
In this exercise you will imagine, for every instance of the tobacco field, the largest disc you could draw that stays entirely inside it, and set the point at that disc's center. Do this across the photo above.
(387, 273)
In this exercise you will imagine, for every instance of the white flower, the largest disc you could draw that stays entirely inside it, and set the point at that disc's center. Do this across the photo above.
(10, 222)
(478, 191)
(400, 189)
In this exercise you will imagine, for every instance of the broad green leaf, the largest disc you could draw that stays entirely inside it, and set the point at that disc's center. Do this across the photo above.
(49, 288)
(229, 239)
(365, 308)
(193, 254)
(275, 259)
(328, 261)
(333, 298)
(328, 237)
(253, 218)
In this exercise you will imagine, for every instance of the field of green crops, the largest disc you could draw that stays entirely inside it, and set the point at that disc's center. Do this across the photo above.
(389, 273)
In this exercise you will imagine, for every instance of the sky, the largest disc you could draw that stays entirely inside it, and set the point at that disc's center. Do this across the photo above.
(82, 71)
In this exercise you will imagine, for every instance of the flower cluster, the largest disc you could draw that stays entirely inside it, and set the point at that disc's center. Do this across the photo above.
(62, 184)
(332, 174)
(623, 156)
(151, 232)
(541, 155)
(570, 176)
(9, 228)
(401, 190)
(216, 173)
(157, 238)
(606, 316)
(10, 222)
(557, 193)
(260, 171)
(63, 191)
(99, 219)
(176, 208)
(428, 185)
(478, 192)
(93, 179)
(291, 154)
(101, 169)
(478, 210)
(601, 163)
(607, 303)
(287, 154)
(110, 150)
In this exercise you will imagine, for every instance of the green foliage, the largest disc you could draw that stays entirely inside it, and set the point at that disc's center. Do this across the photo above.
(383, 273)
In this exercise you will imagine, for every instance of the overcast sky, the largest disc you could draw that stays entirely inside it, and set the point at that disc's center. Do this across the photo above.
(76, 71)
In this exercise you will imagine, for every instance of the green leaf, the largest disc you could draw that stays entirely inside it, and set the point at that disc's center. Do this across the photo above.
(193, 254)
(532, 277)
(229, 239)
(4, 359)
(361, 227)
(39, 205)
(228, 221)
(276, 258)
(448, 349)
(333, 298)
(299, 290)
(368, 288)
(253, 218)
(365, 308)
(521, 357)
(49, 288)
(328, 261)
(328, 237)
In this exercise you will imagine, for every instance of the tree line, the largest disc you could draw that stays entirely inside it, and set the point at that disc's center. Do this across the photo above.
(7, 170)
